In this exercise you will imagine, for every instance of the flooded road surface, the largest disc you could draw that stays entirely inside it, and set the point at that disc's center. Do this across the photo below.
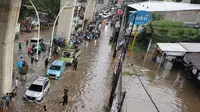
(170, 91)
(88, 88)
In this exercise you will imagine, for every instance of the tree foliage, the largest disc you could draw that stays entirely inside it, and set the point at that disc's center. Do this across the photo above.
(51, 7)
(168, 31)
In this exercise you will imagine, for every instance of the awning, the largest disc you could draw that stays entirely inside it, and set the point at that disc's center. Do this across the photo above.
(161, 6)
(172, 49)
(191, 47)
(194, 58)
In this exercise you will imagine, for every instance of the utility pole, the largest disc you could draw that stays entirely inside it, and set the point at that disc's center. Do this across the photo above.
(52, 34)
(38, 35)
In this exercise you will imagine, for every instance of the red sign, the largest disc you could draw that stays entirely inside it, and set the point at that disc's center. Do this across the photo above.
(120, 11)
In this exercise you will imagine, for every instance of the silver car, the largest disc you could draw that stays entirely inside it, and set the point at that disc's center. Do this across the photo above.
(38, 89)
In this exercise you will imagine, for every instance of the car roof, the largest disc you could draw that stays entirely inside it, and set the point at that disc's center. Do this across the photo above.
(58, 62)
(40, 80)
(35, 38)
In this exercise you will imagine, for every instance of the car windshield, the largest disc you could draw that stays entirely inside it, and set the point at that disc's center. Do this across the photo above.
(33, 41)
(53, 67)
(34, 87)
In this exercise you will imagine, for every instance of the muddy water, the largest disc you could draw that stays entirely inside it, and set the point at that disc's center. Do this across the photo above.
(170, 91)
(89, 87)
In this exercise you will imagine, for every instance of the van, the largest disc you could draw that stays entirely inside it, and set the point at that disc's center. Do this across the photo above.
(56, 69)
(34, 41)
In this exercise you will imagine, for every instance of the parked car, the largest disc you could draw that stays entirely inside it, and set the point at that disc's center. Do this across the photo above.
(38, 89)
(105, 15)
(68, 55)
(56, 69)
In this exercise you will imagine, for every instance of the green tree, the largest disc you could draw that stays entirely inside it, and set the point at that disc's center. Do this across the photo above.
(51, 7)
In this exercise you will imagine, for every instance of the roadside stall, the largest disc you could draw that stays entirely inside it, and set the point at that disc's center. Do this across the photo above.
(166, 54)
(191, 48)
(194, 60)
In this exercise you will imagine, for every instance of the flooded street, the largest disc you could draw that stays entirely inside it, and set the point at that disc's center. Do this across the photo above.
(90, 87)
(170, 91)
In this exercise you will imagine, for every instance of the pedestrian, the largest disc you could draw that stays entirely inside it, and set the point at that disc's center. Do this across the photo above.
(95, 41)
(3, 103)
(27, 41)
(86, 44)
(99, 26)
(17, 83)
(44, 108)
(65, 91)
(30, 50)
(21, 59)
(105, 22)
(7, 98)
(32, 60)
(14, 93)
(75, 64)
(20, 46)
(46, 62)
(65, 98)
(58, 50)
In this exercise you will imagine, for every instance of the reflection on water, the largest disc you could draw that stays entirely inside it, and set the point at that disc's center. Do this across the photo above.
(170, 91)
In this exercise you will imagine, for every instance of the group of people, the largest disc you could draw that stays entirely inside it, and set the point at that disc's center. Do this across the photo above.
(22, 63)
(6, 100)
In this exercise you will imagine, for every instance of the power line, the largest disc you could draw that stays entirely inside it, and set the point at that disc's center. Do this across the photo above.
(148, 94)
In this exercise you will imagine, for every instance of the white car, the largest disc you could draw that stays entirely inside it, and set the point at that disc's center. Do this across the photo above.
(105, 15)
(38, 89)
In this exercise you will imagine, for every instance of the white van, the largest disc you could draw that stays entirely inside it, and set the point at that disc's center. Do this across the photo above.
(35, 41)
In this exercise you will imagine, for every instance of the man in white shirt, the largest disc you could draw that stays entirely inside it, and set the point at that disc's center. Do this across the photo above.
(17, 83)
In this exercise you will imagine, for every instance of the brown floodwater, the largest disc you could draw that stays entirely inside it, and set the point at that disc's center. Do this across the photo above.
(170, 90)
(90, 87)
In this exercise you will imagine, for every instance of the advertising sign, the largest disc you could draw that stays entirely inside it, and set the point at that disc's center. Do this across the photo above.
(142, 17)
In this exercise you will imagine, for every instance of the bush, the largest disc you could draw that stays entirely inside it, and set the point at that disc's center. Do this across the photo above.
(168, 31)
(158, 16)
(165, 23)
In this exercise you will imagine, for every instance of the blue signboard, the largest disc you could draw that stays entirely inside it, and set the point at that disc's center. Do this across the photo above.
(142, 17)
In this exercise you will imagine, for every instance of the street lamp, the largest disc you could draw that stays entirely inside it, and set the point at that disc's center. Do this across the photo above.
(54, 24)
(38, 27)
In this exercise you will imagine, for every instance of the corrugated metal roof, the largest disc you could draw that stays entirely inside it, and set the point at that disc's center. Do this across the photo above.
(171, 47)
(161, 6)
(194, 58)
(191, 47)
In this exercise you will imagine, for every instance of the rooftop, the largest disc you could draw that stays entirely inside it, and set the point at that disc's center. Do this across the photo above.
(172, 49)
(194, 59)
(191, 47)
(161, 6)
